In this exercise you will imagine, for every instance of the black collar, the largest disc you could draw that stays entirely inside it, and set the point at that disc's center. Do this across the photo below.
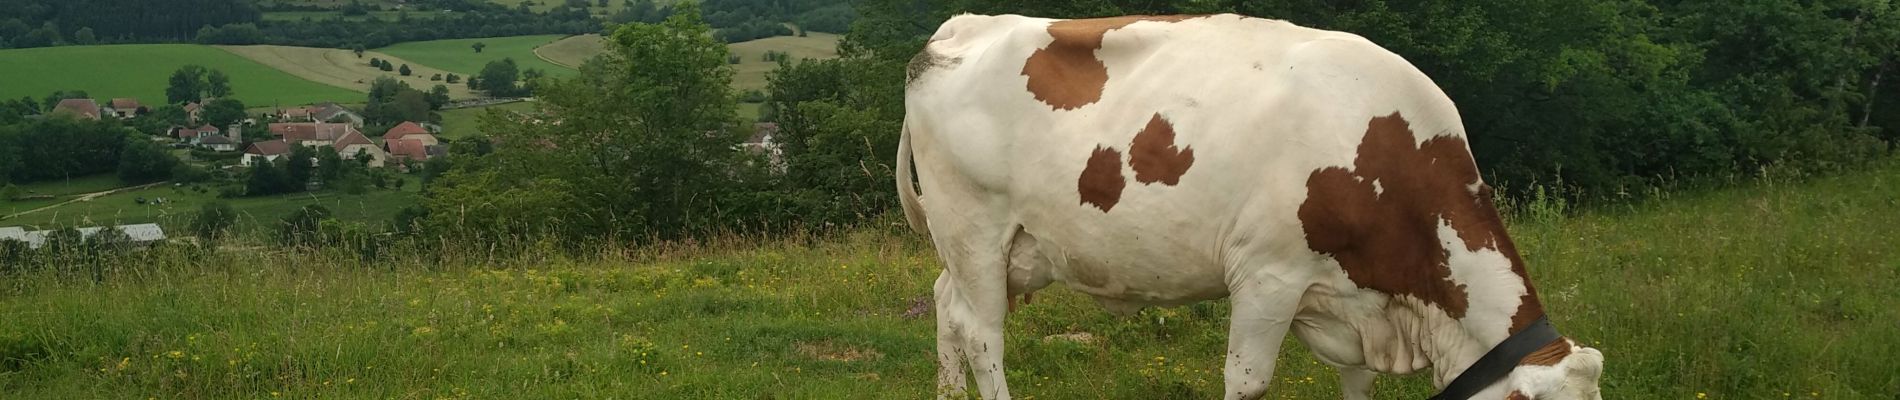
(1498, 363)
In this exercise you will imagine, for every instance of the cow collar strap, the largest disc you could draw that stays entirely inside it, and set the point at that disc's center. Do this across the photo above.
(1499, 362)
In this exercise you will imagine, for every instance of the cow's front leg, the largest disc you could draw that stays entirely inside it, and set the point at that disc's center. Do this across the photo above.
(1264, 307)
(1355, 383)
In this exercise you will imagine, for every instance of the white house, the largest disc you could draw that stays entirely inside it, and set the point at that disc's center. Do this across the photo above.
(268, 151)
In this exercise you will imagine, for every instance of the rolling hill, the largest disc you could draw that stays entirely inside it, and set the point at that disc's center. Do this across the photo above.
(142, 71)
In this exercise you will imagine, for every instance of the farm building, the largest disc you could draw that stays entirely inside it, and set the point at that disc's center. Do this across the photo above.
(354, 144)
(217, 142)
(124, 108)
(268, 151)
(410, 141)
(84, 108)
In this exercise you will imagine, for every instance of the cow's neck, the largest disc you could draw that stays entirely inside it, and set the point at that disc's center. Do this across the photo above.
(1454, 344)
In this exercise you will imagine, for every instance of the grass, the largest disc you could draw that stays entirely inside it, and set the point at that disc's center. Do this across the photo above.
(1769, 290)
(749, 74)
(466, 122)
(572, 51)
(182, 203)
(342, 68)
(391, 16)
(752, 69)
(142, 71)
(456, 55)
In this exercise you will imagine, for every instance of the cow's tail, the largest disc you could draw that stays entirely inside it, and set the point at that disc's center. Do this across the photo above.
(906, 189)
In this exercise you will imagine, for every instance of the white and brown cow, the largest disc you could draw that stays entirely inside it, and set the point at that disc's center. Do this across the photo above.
(1318, 181)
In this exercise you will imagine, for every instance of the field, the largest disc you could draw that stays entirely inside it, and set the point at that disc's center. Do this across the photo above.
(325, 15)
(1770, 290)
(375, 206)
(456, 55)
(141, 71)
(465, 122)
(342, 68)
(749, 74)
(571, 51)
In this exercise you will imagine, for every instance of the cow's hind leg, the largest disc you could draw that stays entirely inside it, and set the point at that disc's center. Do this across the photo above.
(1356, 383)
(1265, 302)
(972, 299)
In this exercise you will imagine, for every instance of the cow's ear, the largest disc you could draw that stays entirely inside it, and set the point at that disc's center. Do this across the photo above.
(1517, 395)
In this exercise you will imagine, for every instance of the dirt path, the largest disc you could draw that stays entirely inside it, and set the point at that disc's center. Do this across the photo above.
(85, 197)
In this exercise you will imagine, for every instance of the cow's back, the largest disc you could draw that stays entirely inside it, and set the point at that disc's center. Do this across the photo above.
(1147, 154)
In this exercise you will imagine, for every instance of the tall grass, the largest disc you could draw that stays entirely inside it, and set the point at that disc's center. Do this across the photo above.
(1771, 290)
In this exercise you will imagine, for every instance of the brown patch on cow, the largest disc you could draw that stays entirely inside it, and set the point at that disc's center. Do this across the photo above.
(1388, 240)
(1155, 157)
(1066, 74)
(1549, 355)
(1101, 182)
(1517, 395)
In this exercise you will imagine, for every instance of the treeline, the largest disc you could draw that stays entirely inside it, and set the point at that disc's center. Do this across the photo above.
(736, 21)
(1598, 98)
(61, 147)
(41, 23)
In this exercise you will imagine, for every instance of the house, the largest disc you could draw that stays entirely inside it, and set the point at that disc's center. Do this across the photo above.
(124, 108)
(137, 234)
(268, 151)
(193, 135)
(354, 144)
(410, 141)
(311, 134)
(83, 108)
(217, 142)
(763, 142)
(294, 114)
(331, 112)
(192, 111)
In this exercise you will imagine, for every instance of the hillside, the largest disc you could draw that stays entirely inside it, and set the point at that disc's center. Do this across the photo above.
(342, 68)
(749, 73)
(456, 55)
(1735, 286)
(141, 71)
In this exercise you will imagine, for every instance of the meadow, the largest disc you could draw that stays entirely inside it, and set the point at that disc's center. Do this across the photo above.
(465, 122)
(749, 74)
(1771, 289)
(141, 71)
(182, 204)
(456, 55)
(342, 68)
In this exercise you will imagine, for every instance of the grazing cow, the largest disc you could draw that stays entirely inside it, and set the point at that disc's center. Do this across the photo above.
(1319, 182)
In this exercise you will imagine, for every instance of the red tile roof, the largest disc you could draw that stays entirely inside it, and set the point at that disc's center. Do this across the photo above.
(404, 129)
(125, 104)
(352, 138)
(408, 148)
(268, 148)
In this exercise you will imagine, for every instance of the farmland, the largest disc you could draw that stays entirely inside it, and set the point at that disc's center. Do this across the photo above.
(456, 55)
(751, 71)
(141, 71)
(342, 68)
(1691, 295)
(466, 122)
(182, 202)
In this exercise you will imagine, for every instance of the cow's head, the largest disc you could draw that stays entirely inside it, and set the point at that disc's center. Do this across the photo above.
(1563, 371)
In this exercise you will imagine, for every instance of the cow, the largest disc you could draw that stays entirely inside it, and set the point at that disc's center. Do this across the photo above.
(1318, 182)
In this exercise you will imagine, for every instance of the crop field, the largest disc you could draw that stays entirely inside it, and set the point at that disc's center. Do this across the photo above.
(182, 203)
(572, 51)
(465, 122)
(343, 68)
(751, 71)
(141, 71)
(456, 55)
(1769, 290)
(325, 15)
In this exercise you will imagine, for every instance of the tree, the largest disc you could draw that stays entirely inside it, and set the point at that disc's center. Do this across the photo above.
(300, 165)
(212, 221)
(223, 111)
(453, 78)
(358, 49)
(478, 46)
(438, 97)
(143, 162)
(498, 78)
(187, 85)
(404, 70)
(217, 84)
(267, 179)
(386, 67)
(375, 62)
(84, 37)
(435, 78)
(644, 146)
